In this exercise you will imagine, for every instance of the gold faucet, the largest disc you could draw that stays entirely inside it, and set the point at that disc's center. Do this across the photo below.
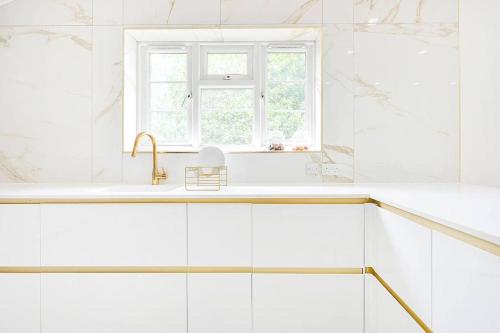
(157, 176)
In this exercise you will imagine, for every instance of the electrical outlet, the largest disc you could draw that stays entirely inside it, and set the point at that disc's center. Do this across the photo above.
(330, 170)
(312, 169)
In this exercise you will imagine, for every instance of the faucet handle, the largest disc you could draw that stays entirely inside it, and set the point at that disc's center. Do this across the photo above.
(158, 176)
(163, 173)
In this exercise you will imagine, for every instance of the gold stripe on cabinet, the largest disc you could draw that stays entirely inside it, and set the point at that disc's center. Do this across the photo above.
(180, 269)
(454, 233)
(404, 305)
(215, 200)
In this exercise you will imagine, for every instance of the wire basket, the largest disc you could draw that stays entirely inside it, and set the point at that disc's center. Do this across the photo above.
(205, 178)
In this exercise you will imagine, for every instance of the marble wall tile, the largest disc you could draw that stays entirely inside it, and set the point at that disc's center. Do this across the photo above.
(479, 54)
(107, 104)
(406, 103)
(45, 104)
(171, 12)
(107, 12)
(271, 168)
(390, 109)
(405, 11)
(338, 100)
(45, 12)
(251, 168)
(338, 11)
(271, 11)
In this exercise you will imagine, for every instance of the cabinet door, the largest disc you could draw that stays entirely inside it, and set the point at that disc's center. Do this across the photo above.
(114, 235)
(466, 287)
(308, 303)
(19, 235)
(112, 303)
(308, 235)
(20, 303)
(219, 234)
(219, 303)
(400, 252)
(383, 314)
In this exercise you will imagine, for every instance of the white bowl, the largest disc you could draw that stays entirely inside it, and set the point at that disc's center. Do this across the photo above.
(210, 157)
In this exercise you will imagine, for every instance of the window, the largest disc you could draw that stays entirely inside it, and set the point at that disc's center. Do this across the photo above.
(237, 95)
(167, 104)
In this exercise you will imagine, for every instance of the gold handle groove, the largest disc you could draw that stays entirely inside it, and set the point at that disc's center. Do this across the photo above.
(177, 269)
(404, 305)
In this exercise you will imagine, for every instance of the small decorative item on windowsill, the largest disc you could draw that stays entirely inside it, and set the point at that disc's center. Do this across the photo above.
(299, 140)
(276, 146)
(300, 148)
(210, 172)
(276, 141)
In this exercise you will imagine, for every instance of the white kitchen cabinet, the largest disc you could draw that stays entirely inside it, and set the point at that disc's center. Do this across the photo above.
(114, 303)
(219, 234)
(114, 235)
(466, 280)
(19, 235)
(400, 251)
(20, 303)
(308, 235)
(219, 303)
(307, 303)
(383, 314)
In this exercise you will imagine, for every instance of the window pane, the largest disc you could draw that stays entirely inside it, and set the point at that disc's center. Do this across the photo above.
(227, 116)
(286, 66)
(170, 127)
(168, 96)
(286, 96)
(168, 67)
(227, 63)
(288, 126)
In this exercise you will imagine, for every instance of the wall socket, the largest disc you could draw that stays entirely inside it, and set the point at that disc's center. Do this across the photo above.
(330, 170)
(313, 169)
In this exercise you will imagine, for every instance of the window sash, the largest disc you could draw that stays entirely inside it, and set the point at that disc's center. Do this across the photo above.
(144, 101)
(309, 103)
(197, 80)
(207, 49)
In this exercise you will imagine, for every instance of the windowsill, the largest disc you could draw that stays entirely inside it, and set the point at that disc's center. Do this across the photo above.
(252, 150)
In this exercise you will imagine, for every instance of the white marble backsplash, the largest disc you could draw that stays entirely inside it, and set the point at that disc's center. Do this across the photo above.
(45, 103)
(405, 11)
(390, 88)
(480, 111)
(338, 100)
(171, 12)
(406, 102)
(271, 11)
(46, 12)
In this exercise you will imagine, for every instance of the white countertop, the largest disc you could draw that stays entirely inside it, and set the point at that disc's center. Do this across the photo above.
(472, 209)
(169, 191)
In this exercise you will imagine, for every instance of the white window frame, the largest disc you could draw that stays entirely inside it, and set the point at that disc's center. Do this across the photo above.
(206, 49)
(144, 93)
(198, 79)
(310, 109)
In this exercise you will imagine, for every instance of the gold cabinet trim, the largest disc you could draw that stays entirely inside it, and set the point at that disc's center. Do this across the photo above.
(430, 224)
(454, 233)
(212, 270)
(404, 305)
(269, 201)
(179, 269)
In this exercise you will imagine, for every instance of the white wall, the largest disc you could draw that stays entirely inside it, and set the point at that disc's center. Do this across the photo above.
(480, 55)
(390, 78)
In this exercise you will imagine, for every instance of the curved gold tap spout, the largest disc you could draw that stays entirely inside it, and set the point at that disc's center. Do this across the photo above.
(157, 176)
